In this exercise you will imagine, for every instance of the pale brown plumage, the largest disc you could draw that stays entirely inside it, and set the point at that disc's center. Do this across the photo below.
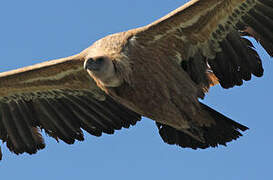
(157, 71)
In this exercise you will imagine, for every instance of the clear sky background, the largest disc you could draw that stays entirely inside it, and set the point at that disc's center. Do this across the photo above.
(32, 31)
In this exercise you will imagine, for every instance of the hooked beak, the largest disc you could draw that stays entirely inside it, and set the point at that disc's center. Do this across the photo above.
(85, 65)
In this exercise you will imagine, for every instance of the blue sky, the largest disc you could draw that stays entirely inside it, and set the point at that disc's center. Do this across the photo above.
(33, 31)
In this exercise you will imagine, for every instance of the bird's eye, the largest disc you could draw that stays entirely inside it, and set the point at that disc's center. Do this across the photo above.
(91, 59)
(99, 60)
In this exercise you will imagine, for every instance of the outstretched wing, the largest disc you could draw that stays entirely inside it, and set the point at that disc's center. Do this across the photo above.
(60, 98)
(206, 38)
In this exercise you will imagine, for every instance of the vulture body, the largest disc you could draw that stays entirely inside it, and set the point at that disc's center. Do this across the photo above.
(158, 71)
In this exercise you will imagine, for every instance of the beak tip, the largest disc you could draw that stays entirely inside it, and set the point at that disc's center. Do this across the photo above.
(85, 65)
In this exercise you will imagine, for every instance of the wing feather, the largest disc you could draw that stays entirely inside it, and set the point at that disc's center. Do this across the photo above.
(85, 121)
(65, 118)
(211, 30)
(60, 98)
(23, 128)
(16, 143)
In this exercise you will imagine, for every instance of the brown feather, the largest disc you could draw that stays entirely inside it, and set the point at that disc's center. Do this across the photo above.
(102, 112)
(40, 144)
(71, 128)
(197, 69)
(44, 121)
(85, 121)
(14, 140)
(267, 2)
(58, 127)
(91, 116)
(238, 69)
(222, 69)
(3, 132)
(129, 117)
(225, 130)
(263, 19)
(23, 128)
(258, 27)
(265, 10)
(28, 118)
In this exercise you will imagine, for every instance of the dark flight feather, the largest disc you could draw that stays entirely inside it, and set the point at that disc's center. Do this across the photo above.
(31, 124)
(3, 132)
(85, 121)
(265, 10)
(99, 115)
(23, 128)
(129, 117)
(264, 20)
(61, 118)
(72, 126)
(267, 2)
(50, 121)
(91, 116)
(238, 69)
(107, 115)
(225, 130)
(14, 141)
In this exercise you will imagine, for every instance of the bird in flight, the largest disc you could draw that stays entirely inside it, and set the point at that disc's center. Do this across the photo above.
(159, 71)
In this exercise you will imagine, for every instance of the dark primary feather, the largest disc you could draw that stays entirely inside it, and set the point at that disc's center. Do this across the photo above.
(268, 3)
(77, 115)
(115, 121)
(237, 44)
(3, 131)
(258, 26)
(258, 23)
(66, 119)
(264, 19)
(110, 120)
(31, 125)
(236, 62)
(51, 121)
(265, 10)
(197, 70)
(23, 127)
(62, 118)
(225, 130)
(91, 117)
(238, 59)
(15, 141)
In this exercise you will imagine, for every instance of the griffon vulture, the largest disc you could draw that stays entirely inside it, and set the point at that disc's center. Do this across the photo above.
(158, 71)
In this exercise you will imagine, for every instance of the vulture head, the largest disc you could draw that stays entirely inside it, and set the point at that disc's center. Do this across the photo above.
(102, 68)
(107, 61)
